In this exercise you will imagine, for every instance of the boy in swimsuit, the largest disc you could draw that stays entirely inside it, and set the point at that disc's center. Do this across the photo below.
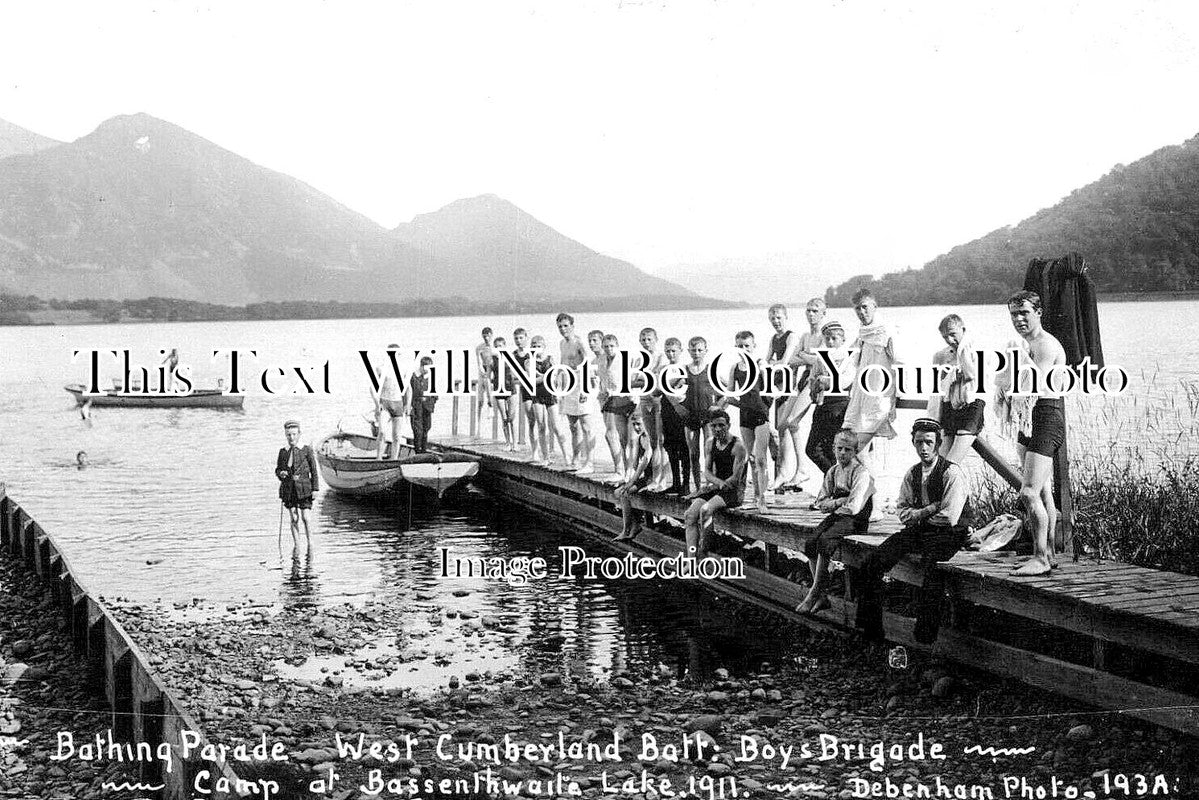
(504, 404)
(543, 403)
(846, 495)
(959, 412)
(725, 485)
(1037, 448)
(485, 362)
(674, 436)
(783, 443)
(698, 402)
(617, 408)
(520, 338)
(575, 404)
(638, 479)
(828, 415)
(389, 405)
(755, 412)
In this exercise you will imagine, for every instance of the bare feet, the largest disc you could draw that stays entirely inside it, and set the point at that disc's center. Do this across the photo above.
(1037, 565)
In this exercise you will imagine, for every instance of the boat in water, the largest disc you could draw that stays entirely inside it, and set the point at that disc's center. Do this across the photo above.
(197, 398)
(349, 465)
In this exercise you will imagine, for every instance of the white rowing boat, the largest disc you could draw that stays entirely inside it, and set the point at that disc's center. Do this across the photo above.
(349, 465)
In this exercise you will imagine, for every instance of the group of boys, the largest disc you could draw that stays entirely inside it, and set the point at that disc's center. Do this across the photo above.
(416, 401)
(689, 431)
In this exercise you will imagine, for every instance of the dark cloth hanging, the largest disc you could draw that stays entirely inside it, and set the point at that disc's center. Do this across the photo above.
(1069, 308)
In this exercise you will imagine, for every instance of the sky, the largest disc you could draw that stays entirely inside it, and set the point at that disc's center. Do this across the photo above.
(865, 136)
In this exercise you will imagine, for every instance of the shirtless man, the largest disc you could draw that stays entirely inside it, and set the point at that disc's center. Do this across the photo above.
(485, 363)
(1048, 429)
(389, 405)
(576, 405)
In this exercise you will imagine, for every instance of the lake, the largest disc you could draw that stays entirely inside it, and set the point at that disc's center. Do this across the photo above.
(182, 504)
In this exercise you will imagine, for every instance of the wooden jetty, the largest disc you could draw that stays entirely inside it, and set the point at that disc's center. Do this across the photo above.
(1120, 637)
(143, 709)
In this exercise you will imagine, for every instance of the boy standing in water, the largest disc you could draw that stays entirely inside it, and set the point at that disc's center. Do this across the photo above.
(296, 470)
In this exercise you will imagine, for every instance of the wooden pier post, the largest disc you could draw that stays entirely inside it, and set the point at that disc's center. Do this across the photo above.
(473, 424)
(454, 416)
(520, 422)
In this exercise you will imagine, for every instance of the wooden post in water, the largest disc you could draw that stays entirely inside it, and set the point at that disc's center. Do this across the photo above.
(1063, 534)
(520, 422)
(473, 425)
(454, 416)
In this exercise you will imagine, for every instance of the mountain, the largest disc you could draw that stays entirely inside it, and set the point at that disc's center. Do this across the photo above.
(1137, 227)
(141, 207)
(15, 140)
(504, 253)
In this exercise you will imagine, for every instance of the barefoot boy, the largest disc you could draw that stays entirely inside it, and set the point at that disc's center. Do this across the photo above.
(296, 470)
(638, 479)
(674, 436)
(485, 363)
(959, 411)
(576, 404)
(828, 414)
(847, 496)
(504, 404)
(755, 412)
(725, 485)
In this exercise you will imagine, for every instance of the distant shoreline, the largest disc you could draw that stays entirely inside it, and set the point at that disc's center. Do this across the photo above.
(17, 310)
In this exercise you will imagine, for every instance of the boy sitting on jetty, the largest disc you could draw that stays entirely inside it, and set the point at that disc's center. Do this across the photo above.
(933, 507)
(639, 478)
(725, 479)
(847, 496)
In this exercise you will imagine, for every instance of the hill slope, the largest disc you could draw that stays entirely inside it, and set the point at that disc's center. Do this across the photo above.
(141, 207)
(506, 253)
(15, 140)
(1137, 227)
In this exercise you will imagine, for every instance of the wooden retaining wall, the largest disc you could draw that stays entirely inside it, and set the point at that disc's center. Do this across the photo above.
(143, 709)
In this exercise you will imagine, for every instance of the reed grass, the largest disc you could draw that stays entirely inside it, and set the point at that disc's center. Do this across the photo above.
(1134, 477)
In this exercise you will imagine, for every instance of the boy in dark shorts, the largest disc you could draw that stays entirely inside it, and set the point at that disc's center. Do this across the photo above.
(959, 411)
(847, 495)
(755, 412)
(724, 478)
(298, 477)
(617, 408)
(697, 403)
(1048, 429)
(421, 403)
(674, 436)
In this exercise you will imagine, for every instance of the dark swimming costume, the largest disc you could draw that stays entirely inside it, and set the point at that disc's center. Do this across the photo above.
(1048, 427)
(543, 397)
(778, 347)
(698, 400)
(754, 411)
(619, 404)
(968, 418)
(723, 461)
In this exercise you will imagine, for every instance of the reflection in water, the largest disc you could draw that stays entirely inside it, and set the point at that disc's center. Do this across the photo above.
(300, 585)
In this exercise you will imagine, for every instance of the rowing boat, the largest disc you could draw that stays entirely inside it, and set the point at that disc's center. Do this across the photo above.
(349, 465)
(197, 398)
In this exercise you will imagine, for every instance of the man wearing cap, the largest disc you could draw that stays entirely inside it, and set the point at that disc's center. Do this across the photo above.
(297, 473)
(933, 507)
